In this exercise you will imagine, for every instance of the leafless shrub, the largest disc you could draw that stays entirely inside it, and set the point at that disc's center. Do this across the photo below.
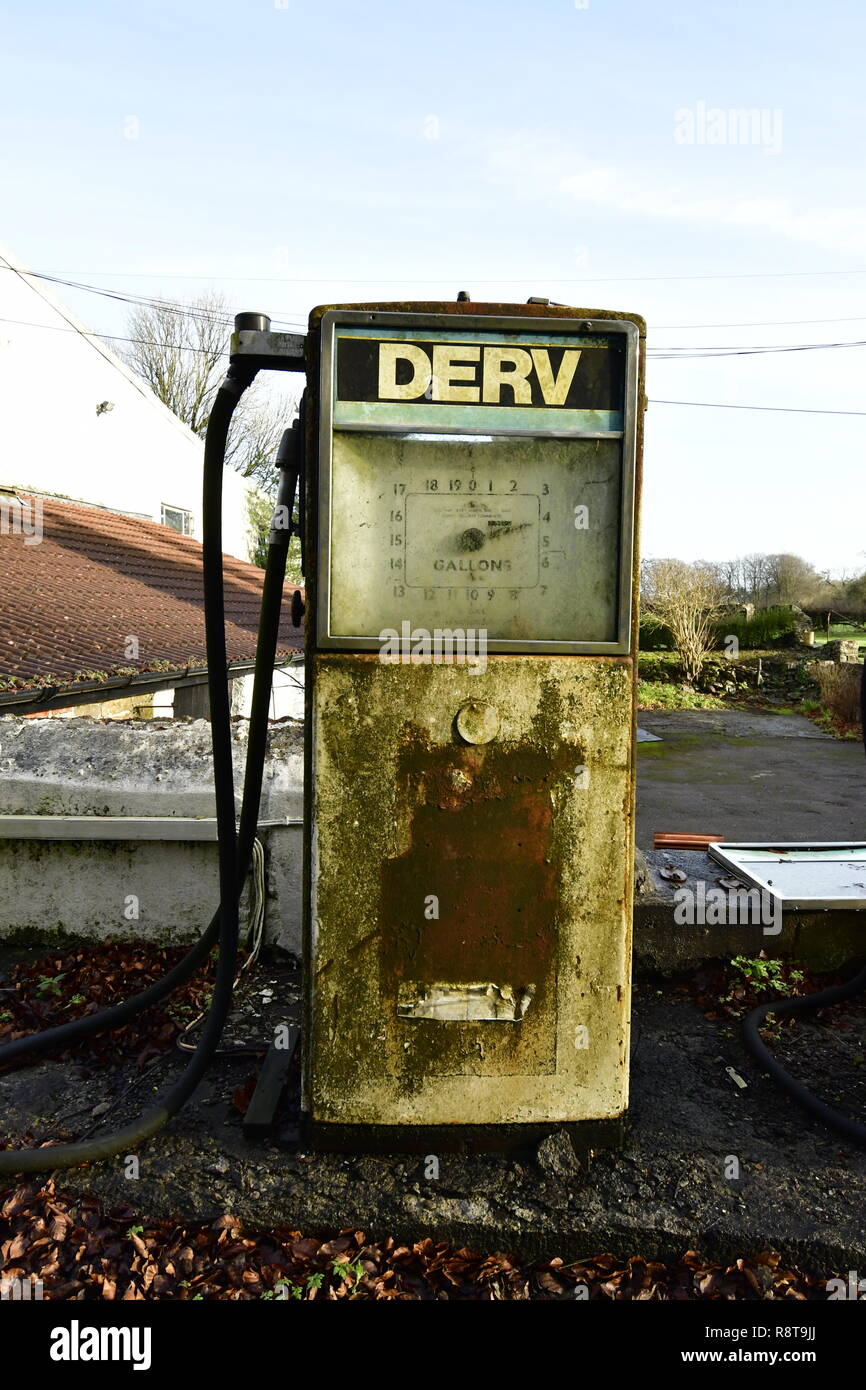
(839, 684)
(688, 599)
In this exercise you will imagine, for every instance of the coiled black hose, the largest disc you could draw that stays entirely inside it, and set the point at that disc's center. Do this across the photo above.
(805, 1004)
(235, 849)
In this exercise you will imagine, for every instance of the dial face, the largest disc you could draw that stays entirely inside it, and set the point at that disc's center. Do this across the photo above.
(518, 536)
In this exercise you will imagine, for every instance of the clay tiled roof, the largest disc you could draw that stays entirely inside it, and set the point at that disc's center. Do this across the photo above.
(69, 603)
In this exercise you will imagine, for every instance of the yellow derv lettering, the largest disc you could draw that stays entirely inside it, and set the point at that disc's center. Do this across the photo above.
(392, 390)
(452, 364)
(506, 366)
(555, 389)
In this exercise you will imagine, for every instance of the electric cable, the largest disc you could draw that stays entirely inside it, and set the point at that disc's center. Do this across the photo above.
(215, 316)
(138, 301)
(688, 354)
(255, 933)
(500, 280)
(235, 849)
(765, 323)
(659, 354)
(776, 409)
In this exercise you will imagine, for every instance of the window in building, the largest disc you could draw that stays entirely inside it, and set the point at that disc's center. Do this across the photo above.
(177, 519)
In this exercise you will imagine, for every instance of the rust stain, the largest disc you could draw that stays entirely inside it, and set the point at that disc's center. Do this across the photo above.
(481, 842)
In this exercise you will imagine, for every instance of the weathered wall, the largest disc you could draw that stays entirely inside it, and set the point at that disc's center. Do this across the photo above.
(86, 767)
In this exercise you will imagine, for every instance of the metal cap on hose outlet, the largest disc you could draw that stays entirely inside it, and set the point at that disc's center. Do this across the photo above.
(252, 323)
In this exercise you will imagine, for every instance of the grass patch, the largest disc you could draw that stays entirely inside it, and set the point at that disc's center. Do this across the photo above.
(849, 631)
(660, 666)
(666, 695)
(830, 721)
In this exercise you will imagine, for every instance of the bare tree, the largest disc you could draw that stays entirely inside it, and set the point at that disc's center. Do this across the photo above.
(793, 579)
(730, 573)
(180, 350)
(257, 428)
(755, 578)
(688, 599)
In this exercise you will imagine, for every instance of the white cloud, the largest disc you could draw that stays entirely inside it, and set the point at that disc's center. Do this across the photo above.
(837, 229)
(535, 167)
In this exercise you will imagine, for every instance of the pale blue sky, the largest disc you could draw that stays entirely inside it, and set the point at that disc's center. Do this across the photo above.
(303, 154)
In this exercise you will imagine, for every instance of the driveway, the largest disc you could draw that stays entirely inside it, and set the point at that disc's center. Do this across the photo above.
(747, 775)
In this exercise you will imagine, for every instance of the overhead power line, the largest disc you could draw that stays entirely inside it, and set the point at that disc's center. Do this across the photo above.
(213, 316)
(782, 409)
(771, 323)
(478, 280)
(109, 337)
(297, 318)
(711, 405)
(172, 306)
(681, 354)
(659, 354)
(671, 354)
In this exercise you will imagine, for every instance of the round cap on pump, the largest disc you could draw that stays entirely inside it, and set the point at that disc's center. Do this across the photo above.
(255, 323)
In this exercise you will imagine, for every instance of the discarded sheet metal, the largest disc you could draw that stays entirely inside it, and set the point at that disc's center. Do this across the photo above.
(804, 875)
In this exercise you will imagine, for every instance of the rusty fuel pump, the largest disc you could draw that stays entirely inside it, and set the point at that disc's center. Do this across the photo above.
(468, 478)
(471, 562)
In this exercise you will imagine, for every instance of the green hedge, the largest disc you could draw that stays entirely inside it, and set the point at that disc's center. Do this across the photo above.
(654, 636)
(769, 625)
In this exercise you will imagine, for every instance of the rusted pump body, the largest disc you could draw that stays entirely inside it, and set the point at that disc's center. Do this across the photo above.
(471, 622)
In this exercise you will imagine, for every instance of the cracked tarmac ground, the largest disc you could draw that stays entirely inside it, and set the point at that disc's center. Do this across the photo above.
(800, 1188)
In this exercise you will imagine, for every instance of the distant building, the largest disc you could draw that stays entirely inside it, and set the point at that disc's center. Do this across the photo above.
(77, 423)
(103, 614)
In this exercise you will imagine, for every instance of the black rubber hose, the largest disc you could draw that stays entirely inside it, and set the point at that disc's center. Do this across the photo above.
(14, 1161)
(289, 463)
(852, 1129)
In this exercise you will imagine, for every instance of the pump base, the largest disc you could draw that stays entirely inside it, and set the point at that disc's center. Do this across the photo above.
(585, 1135)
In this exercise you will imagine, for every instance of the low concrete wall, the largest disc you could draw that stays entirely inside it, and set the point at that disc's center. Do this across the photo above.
(822, 939)
(86, 767)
